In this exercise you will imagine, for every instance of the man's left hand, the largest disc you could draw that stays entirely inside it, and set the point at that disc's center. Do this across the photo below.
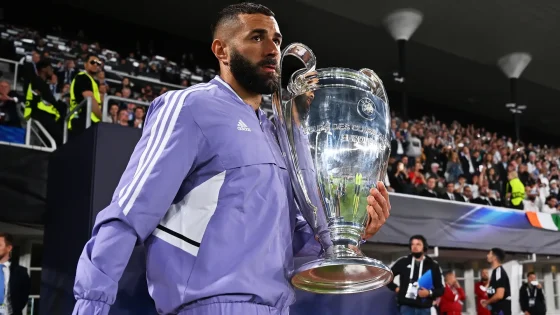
(378, 209)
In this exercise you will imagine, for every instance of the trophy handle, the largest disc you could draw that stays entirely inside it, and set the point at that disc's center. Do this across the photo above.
(283, 120)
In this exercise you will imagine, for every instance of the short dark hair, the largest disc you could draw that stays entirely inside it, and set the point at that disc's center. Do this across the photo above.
(89, 55)
(8, 238)
(530, 273)
(499, 253)
(231, 12)
(43, 63)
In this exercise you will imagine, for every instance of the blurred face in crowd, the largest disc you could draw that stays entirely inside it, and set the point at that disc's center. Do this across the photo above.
(467, 192)
(417, 248)
(139, 113)
(431, 183)
(123, 115)
(484, 275)
(92, 65)
(250, 48)
(4, 87)
(450, 187)
(450, 278)
(125, 81)
(552, 202)
(35, 57)
(126, 92)
(531, 277)
(114, 110)
(5, 249)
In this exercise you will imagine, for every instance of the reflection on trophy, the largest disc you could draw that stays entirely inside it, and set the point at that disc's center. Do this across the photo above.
(333, 124)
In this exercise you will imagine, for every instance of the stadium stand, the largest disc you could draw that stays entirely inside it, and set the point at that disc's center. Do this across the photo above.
(428, 156)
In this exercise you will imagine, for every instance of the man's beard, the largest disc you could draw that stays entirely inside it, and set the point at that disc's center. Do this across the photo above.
(484, 279)
(249, 77)
(417, 255)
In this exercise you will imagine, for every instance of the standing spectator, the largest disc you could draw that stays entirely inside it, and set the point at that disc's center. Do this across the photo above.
(499, 291)
(412, 299)
(451, 302)
(414, 147)
(454, 169)
(480, 293)
(66, 73)
(15, 294)
(531, 296)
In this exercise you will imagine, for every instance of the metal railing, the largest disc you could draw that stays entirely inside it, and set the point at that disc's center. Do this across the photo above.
(16, 70)
(107, 98)
(85, 102)
(145, 79)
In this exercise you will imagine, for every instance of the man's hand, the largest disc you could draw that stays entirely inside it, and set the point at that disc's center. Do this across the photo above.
(484, 303)
(527, 313)
(378, 209)
(539, 286)
(397, 290)
(423, 293)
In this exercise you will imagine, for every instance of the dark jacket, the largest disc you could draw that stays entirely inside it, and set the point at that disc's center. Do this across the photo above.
(540, 306)
(19, 286)
(402, 267)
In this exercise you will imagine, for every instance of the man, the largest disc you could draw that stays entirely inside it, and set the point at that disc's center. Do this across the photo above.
(40, 104)
(451, 302)
(429, 190)
(450, 193)
(14, 280)
(484, 199)
(531, 296)
(515, 191)
(480, 293)
(412, 298)
(83, 86)
(499, 293)
(208, 194)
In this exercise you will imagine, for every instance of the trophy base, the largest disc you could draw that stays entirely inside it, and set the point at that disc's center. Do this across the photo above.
(342, 275)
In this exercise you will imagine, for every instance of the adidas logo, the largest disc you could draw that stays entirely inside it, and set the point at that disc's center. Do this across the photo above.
(241, 126)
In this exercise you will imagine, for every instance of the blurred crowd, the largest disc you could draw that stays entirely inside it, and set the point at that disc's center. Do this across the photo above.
(428, 157)
(470, 164)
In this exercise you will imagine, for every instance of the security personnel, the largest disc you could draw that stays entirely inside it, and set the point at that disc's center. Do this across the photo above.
(515, 190)
(84, 86)
(531, 296)
(411, 297)
(41, 105)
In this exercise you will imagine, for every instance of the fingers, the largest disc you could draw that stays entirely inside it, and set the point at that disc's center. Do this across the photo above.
(383, 190)
(375, 220)
(380, 200)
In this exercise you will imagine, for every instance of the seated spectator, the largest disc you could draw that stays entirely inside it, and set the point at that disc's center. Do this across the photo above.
(429, 191)
(450, 193)
(8, 106)
(550, 205)
(484, 199)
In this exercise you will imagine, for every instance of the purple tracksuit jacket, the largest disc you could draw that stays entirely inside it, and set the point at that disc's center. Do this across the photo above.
(207, 192)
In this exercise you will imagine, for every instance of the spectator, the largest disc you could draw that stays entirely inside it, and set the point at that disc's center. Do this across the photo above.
(531, 296)
(451, 302)
(15, 294)
(8, 106)
(550, 205)
(480, 292)
(429, 191)
(450, 193)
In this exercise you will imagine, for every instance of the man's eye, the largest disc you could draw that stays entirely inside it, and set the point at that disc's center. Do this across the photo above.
(257, 38)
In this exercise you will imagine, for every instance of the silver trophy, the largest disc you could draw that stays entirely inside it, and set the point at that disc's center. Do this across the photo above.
(334, 126)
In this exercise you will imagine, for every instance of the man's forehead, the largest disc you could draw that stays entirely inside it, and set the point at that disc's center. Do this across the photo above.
(249, 22)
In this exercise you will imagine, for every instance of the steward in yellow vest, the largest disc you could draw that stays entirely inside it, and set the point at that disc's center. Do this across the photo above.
(41, 105)
(84, 86)
(517, 190)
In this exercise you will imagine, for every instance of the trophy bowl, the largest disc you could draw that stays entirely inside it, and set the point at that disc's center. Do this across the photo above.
(334, 127)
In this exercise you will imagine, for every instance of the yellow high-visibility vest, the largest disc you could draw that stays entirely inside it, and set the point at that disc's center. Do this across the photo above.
(73, 102)
(49, 108)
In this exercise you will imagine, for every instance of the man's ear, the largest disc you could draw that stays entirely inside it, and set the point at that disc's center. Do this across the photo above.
(221, 51)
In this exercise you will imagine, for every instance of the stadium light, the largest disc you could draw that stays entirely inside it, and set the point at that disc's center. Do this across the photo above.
(402, 24)
(513, 65)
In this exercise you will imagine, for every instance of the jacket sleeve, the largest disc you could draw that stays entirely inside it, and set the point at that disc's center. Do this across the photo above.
(396, 269)
(304, 242)
(462, 295)
(437, 279)
(447, 296)
(162, 159)
(523, 299)
(479, 292)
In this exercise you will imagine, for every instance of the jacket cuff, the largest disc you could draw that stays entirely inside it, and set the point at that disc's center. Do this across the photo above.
(89, 307)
